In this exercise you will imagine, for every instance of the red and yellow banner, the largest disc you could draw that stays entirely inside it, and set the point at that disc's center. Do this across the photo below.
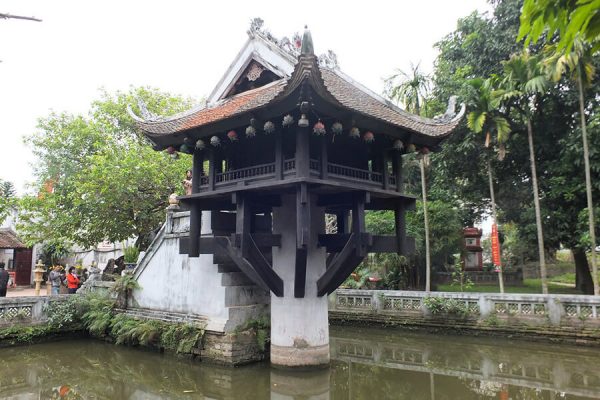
(496, 247)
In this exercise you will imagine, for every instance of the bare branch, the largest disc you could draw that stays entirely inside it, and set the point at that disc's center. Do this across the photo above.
(9, 16)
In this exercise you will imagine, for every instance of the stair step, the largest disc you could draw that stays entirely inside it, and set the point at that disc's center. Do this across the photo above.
(235, 279)
(229, 267)
(245, 295)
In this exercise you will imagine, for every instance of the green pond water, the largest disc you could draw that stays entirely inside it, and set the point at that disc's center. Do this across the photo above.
(366, 364)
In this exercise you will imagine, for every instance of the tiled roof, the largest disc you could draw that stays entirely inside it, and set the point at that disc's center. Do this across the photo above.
(333, 84)
(9, 240)
(229, 107)
(359, 99)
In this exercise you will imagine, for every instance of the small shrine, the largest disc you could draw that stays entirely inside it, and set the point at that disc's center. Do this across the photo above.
(473, 257)
(285, 139)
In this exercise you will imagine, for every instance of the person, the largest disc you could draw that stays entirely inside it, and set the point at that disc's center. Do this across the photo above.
(72, 281)
(4, 277)
(55, 280)
(187, 182)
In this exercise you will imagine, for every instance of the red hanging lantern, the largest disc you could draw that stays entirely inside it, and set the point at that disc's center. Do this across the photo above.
(369, 137)
(319, 128)
(232, 135)
(171, 150)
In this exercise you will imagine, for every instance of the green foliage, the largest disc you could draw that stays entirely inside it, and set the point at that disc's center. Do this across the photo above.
(97, 177)
(449, 306)
(261, 327)
(569, 19)
(411, 88)
(459, 276)
(53, 251)
(64, 313)
(131, 254)
(124, 284)
(24, 334)
(98, 313)
(181, 338)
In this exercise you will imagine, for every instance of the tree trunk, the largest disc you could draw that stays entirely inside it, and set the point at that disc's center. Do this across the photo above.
(495, 218)
(584, 281)
(426, 220)
(588, 185)
(538, 214)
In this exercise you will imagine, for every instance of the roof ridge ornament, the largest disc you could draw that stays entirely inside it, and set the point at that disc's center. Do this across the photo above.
(307, 48)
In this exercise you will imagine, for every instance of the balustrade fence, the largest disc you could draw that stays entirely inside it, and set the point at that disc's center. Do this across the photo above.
(552, 309)
(25, 310)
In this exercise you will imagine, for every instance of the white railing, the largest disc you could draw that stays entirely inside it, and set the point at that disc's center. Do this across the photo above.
(531, 307)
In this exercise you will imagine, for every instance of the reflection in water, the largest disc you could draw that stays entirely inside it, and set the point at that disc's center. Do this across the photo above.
(367, 364)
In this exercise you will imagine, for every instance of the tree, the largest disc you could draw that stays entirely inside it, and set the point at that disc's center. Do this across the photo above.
(569, 18)
(485, 117)
(97, 177)
(411, 88)
(7, 199)
(577, 63)
(524, 80)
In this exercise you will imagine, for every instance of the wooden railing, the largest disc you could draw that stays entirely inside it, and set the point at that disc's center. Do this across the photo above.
(265, 171)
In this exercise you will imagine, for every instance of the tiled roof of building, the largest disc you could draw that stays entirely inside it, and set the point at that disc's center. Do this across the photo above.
(9, 240)
(330, 83)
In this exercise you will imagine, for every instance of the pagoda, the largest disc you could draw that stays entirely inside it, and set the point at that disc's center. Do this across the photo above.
(282, 145)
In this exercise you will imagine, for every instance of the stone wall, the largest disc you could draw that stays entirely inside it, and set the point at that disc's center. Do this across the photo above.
(569, 318)
(27, 310)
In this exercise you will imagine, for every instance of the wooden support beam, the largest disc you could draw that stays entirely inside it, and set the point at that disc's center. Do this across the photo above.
(400, 225)
(244, 265)
(212, 173)
(302, 216)
(197, 172)
(340, 268)
(302, 152)
(343, 199)
(358, 223)
(343, 221)
(324, 158)
(262, 267)
(243, 220)
(300, 273)
(386, 172)
(195, 230)
(398, 171)
(279, 154)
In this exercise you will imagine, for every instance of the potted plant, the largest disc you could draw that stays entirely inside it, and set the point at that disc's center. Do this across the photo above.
(130, 256)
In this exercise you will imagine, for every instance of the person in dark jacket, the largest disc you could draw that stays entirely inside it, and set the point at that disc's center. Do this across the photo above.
(4, 277)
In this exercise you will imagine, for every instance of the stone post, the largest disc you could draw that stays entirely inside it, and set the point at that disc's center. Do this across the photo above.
(299, 326)
(38, 276)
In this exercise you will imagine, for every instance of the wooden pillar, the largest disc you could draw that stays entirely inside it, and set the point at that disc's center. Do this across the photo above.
(324, 159)
(386, 172)
(211, 169)
(398, 171)
(400, 224)
(342, 219)
(279, 159)
(243, 220)
(197, 172)
(195, 211)
(358, 223)
(302, 152)
(303, 228)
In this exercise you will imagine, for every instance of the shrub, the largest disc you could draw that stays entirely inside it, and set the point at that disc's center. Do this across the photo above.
(442, 305)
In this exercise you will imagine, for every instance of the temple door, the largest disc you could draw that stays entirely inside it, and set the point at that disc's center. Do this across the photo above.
(22, 265)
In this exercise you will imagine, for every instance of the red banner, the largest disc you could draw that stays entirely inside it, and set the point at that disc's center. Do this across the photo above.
(496, 247)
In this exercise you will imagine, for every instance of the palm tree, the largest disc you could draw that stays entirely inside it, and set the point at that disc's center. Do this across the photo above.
(484, 118)
(410, 88)
(577, 63)
(524, 80)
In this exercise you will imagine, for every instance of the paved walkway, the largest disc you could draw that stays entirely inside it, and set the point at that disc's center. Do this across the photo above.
(24, 291)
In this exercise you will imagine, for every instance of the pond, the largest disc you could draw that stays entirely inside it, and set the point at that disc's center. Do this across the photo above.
(366, 364)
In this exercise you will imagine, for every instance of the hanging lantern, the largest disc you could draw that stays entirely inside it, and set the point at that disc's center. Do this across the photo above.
(369, 137)
(288, 120)
(303, 122)
(171, 150)
(337, 128)
(184, 148)
(354, 133)
(424, 150)
(269, 127)
(398, 144)
(319, 128)
(200, 144)
(215, 141)
(174, 156)
(411, 148)
(250, 131)
(232, 135)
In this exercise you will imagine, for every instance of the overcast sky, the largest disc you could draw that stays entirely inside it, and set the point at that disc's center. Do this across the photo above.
(184, 47)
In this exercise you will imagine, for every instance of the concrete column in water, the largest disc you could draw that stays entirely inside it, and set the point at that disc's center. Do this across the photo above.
(299, 326)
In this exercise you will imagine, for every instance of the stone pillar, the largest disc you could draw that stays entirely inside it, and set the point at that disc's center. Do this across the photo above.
(299, 326)
(307, 385)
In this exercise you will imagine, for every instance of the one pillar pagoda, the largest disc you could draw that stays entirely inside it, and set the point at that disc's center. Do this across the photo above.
(278, 150)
